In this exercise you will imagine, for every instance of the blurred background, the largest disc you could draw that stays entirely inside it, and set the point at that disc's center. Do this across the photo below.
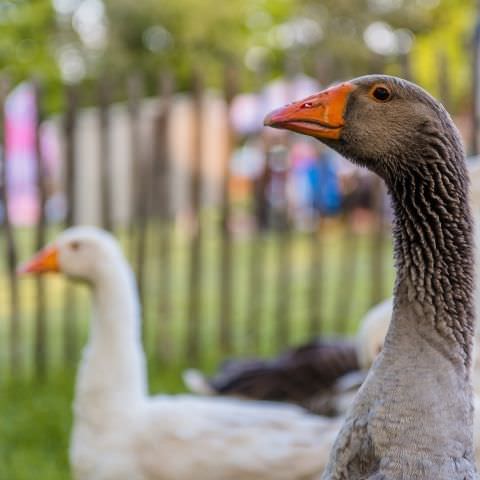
(145, 117)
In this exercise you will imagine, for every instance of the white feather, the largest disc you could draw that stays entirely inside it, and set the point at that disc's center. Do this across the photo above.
(196, 382)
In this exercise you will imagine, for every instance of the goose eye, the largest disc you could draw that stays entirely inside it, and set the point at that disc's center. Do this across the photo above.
(381, 93)
(74, 245)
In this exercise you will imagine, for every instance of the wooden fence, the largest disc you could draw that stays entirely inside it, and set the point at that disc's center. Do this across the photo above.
(207, 291)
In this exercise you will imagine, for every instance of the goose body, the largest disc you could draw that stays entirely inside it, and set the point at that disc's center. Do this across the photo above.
(413, 416)
(122, 433)
(209, 439)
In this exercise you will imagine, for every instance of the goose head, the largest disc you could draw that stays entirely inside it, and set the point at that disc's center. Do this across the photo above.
(377, 121)
(82, 253)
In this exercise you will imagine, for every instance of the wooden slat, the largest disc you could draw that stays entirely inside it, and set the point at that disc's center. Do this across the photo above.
(194, 313)
(104, 88)
(257, 260)
(444, 87)
(475, 138)
(406, 66)
(141, 191)
(284, 273)
(162, 208)
(283, 286)
(315, 281)
(255, 292)
(377, 245)
(15, 351)
(70, 328)
(226, 256)
(348, 266)
(40, 346)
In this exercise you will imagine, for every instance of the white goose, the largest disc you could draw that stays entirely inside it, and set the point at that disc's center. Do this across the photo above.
(121, 433)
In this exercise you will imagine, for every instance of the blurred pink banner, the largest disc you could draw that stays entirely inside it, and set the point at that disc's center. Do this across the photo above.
(20, 139)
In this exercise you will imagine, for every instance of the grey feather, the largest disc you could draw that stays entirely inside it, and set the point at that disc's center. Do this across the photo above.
(413, 417)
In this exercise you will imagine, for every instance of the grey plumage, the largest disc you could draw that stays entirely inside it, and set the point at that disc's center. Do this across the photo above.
(412, 418)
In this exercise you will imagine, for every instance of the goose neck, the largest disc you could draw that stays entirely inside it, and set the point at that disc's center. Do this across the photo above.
(433, 247)
(113, 364)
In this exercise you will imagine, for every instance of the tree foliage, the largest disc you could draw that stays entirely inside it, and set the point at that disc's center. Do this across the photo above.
(261, 38)
(27, 40)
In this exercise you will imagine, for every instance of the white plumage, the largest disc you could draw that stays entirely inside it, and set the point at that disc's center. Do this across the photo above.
(121, 433)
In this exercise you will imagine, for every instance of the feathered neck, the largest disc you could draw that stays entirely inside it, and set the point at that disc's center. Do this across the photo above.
(433, 245)
(113, 366)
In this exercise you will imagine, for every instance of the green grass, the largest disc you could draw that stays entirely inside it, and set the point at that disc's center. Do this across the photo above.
(34, 430)
(36, 416)
(36, 420)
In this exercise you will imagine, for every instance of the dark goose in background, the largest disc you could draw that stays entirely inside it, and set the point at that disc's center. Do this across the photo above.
(321, 375)
(305, 375)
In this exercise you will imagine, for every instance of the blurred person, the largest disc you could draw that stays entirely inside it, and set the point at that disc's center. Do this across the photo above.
(313, 184)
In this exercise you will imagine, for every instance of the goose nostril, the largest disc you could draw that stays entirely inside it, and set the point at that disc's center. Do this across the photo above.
(307, 105)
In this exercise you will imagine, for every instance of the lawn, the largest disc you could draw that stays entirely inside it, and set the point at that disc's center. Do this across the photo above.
(35, 426)
(36, 414)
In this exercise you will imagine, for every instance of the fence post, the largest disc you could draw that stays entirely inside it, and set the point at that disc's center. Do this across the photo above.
(348, 271)
(134, 94)
(406, 65)
(377, 244)
(225, 297)
(104, 87)
(141, 193)
(474, 148)
(444, 79)
(16, 363)
(40, 354)
(194, 287)
(257, 261)
(70, 345)
(315, 290)
(161, 193)
(284, 274)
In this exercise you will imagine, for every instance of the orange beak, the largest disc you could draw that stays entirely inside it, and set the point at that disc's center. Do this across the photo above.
(320, 116)
(44, 261)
